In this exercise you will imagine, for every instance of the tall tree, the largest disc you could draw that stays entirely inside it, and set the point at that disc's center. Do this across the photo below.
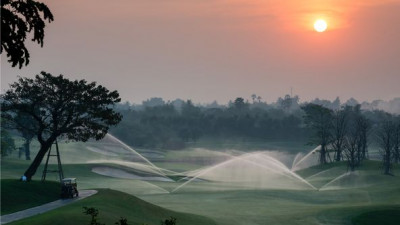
(364, 126)
(254, 97)
(396, 144)
(76, 110)
(340, 121)
(319, 119)
(352, 147)
(385, 140)
(18, 19)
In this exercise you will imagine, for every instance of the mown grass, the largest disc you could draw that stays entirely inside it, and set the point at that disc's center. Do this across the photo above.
(240, 207)
(17, 195)
(382, 217)
(113, 205)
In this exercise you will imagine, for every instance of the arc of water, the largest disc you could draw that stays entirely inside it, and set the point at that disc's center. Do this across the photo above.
(135, 152)
(291, 175)
(203, 172)
(197, 171)
(165, 191)
(319, 173)
(306, 156)
(243, 157)
(296, 159)
(337, 178)
(128, 164)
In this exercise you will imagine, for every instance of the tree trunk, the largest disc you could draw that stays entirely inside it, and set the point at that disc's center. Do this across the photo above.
(27, 149)
(322, 158)
(352, 161)
(36, 162)
(387, 163)
(338, 154)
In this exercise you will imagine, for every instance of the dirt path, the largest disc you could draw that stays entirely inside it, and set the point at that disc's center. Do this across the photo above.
(44, 208)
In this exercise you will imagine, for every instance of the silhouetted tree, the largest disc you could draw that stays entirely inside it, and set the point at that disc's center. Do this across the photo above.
(122, 221)
(76, 110)
(352, 147)
(351, 102)
(170, 221)
(319, 119)
(239, 103)
(340, 121)
(356, 137)
(93, 213)
(18, 19)
(259, 99)
(385, 140)
(336, 104)
(153, 102)
(254, 97)
(363, 124)
(396, 145)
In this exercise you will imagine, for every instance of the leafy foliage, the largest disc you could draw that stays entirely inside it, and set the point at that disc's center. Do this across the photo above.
(76, 110)
(93, 213)
(18, 19)
(170, 221)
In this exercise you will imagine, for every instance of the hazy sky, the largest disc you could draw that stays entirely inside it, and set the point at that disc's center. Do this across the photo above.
(208, 50)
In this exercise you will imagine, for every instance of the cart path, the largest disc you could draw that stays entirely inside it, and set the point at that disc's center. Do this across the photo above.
(44, 208)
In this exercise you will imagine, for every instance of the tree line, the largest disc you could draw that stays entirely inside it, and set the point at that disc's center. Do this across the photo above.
(346, 133)
(170, 127)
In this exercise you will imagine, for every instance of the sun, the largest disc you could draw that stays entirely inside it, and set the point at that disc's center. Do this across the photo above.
(320, 25)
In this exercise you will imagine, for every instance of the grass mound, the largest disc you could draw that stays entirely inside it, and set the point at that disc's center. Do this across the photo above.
(382, 217)
(112, 205)
(17, 195)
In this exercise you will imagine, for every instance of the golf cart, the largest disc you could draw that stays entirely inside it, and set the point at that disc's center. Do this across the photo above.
(69, 188)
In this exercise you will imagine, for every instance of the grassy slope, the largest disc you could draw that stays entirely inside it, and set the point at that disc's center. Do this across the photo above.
(336, 206)
(17, 195)
(390, 216)
(382, 207)
(263, 207)
(112, 205)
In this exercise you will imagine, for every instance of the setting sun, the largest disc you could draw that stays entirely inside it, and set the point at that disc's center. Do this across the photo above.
(320, 25)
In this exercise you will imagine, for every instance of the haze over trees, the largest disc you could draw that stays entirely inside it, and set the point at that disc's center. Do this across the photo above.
(356, 139)
(319, 119)
(75, 110)
(343, 131)
(26, 127)
(387, 137)
(18, 19)
(7, 143)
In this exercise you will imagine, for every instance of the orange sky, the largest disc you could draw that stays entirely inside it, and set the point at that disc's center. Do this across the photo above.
(209, 50)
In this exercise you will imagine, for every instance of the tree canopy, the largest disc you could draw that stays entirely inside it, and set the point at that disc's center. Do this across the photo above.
(18, 19)
(76, 110)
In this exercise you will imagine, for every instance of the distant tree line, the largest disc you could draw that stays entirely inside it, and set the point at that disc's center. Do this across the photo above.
(168, 126)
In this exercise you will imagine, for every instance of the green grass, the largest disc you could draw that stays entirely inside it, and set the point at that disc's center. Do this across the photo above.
(112, 205)
(382, 217)
(239, 207)
(17, 195)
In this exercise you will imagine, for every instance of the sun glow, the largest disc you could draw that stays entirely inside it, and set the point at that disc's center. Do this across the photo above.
(320, 25)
